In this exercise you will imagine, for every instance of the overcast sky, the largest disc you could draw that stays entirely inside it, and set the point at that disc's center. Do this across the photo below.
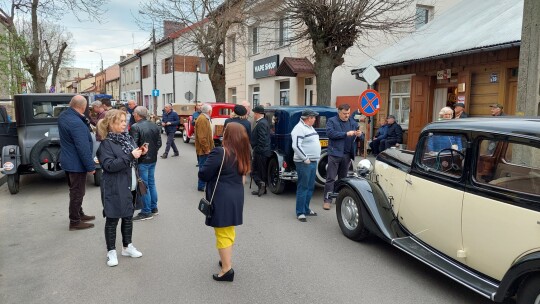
(117, 34)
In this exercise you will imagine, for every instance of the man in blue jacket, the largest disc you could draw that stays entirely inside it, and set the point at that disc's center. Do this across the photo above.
(170, 122)
(76, 157)
(342, 132)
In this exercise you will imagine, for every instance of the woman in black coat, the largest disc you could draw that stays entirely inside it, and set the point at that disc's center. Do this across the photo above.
(118, 156)
(228, 200)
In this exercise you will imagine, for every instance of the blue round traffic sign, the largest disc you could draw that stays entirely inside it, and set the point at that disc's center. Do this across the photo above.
(369, 102)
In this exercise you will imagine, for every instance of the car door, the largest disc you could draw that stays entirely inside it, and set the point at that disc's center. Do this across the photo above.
(501, 207)
(432, 203)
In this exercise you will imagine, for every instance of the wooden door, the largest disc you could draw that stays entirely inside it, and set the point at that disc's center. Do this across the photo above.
(418, 116)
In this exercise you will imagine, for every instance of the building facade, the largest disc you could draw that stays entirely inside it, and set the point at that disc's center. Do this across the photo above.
(130, 79)
(65, 77)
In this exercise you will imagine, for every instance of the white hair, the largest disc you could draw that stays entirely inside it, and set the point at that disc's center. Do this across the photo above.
(206, 108)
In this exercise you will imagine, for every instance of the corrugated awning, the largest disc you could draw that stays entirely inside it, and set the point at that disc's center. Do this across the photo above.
(293, 67)
(469, 26)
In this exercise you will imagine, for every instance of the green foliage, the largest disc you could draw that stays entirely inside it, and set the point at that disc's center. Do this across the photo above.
(12, 73)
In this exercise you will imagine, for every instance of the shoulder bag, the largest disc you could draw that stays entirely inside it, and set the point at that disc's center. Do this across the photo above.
(205, 206)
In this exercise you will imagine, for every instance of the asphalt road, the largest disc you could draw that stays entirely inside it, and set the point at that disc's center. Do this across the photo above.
(277, 259)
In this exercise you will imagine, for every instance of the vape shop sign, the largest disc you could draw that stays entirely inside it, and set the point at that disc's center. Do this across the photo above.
(265, 67)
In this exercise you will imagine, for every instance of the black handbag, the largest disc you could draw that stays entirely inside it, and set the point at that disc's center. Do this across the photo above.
(205, 206)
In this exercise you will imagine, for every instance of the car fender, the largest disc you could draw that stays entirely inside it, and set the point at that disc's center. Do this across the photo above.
(524, 266)
(377, 211)
(278, 156)
(11, 159)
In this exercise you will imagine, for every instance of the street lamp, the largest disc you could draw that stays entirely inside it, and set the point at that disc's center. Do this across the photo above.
(154, 62)
(101, 57)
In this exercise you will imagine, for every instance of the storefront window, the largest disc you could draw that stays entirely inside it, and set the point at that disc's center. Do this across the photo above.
(284, 88)
(400, 98)
(255, 101)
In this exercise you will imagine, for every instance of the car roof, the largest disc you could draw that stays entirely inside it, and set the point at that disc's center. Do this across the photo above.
(529, 126)
(295, 109)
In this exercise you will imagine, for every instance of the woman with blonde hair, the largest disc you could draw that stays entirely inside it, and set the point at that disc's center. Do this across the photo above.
(230, 163)
(118, 156)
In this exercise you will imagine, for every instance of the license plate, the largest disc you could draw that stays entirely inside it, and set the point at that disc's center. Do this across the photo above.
(324, 143)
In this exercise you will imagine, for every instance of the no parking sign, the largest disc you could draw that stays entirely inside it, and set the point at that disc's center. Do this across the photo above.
(369, 102)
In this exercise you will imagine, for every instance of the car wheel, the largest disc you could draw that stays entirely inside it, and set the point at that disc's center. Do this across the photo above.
(13, 183)
(45, 159)
(529, 291)
(349, 215)
(97, 177)
(275, 184)
(185, 137)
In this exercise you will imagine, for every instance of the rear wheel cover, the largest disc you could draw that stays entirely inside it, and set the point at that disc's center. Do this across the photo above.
(45, 159)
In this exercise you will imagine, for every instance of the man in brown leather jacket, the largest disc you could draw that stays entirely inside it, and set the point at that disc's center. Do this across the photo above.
(204, 139)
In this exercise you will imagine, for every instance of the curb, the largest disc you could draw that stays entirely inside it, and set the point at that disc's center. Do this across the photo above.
(3, 179)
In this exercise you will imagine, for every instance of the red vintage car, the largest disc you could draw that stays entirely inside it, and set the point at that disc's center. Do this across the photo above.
(220, 112)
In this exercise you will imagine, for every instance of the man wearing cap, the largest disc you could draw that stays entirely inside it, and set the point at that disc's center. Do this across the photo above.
(260, 142)
(497, 109)
(307, 151)
(394, 134)
(459, 112)
(239, 115)
(342, 131)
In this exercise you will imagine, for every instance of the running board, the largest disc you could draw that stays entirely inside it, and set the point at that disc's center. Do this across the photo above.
(446, 266)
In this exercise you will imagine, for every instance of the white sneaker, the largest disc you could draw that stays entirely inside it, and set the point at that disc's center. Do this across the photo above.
(131, 252)
(112, 260)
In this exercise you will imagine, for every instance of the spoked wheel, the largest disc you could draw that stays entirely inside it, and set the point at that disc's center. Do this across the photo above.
(275, 184)
(349, 215)
(13, 183)
(45, 159)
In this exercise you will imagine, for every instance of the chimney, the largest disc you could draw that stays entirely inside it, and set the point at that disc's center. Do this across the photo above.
(170, 27)
(122, 58)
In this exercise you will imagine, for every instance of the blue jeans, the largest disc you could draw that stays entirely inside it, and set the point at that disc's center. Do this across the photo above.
(304, 186)
(146, 172)
(201, 160)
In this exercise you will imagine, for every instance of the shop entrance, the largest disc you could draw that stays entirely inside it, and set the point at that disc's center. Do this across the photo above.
(443, 97)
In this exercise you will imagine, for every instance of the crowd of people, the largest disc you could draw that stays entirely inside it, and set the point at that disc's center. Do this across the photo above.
(130, 143)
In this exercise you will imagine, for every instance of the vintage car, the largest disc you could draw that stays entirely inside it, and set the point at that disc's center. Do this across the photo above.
(184, 111)
(466, 202)
(220, 112)
(36, 146)
(282, 120)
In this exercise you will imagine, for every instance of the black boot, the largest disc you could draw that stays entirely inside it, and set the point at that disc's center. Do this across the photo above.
(262, 189)
(256, 192)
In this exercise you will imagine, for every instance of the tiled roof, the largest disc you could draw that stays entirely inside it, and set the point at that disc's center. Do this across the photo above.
(291, 66)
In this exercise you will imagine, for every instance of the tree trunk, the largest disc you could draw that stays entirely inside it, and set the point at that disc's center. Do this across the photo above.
(324, 67)
(217, 79)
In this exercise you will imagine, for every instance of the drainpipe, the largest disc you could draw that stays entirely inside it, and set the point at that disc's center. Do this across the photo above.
(173, 76)
(139, 102)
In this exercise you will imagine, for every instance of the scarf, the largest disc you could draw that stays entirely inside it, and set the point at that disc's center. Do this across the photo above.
(125, 141)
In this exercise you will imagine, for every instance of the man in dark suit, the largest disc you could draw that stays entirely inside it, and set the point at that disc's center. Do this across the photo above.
(459, 110)
(76, 154)
(170, 122)
(342, 131)
(394, 134)
(260, 142)
(146, 132)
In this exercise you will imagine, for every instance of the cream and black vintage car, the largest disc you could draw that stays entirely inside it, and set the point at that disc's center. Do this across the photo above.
(466, 202)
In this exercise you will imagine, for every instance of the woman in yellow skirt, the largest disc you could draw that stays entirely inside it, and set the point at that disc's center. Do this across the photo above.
(228, 199)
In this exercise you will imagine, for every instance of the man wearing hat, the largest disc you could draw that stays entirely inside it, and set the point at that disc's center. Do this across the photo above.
(239, 115)
(260, 142)
(394, 134)
(307, 151)
(497, 109)
(459, 110)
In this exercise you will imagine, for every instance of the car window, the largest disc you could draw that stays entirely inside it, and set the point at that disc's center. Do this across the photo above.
(320, 122)
(48, 109)
(225, 111)
(442, 153)
(511, 165)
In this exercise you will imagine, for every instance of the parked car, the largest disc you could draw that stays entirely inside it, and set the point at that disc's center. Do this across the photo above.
(466, 202)
(220, 112)
(184, 111)
(281, 168)
(35, 148)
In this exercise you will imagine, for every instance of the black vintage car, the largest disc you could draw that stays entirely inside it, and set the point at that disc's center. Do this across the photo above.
(466, 202)
(31, 143)
(282, 120)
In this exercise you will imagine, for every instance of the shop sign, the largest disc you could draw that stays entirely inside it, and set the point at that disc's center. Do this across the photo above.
(444, 74)
(494, 77)
(265, 67)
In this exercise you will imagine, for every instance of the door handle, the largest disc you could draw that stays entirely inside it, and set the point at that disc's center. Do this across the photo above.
(408, 181)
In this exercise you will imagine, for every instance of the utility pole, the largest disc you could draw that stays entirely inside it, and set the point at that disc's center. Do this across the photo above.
(155, 65)
(528, 102)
